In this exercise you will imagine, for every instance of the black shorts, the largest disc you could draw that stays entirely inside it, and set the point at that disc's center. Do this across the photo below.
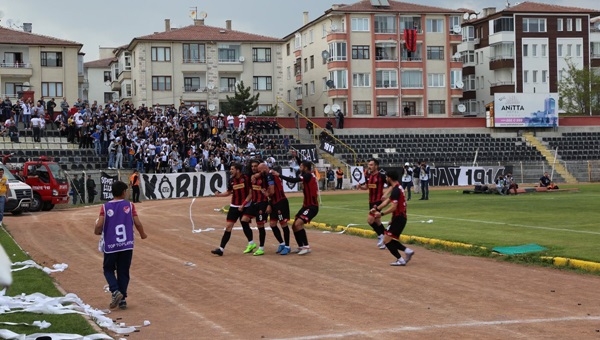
(306, 214)
(258, 211)
(396, 227)
(280, 211)
(372, 205)
(234, 214)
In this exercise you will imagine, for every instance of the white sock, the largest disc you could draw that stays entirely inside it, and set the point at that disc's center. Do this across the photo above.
(221, 248)
(260, 248)
(408, 251)
(251, 242)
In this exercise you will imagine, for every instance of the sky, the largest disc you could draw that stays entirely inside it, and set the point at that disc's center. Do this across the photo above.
(112, 23)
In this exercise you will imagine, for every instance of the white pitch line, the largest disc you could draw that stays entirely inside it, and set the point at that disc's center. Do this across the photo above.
(442, 326)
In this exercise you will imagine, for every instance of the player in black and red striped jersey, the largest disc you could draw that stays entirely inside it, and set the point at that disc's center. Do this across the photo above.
(375, 183)
(239, 188)
(310, 205)
(259, 208)
(396, 205)
(280, 209)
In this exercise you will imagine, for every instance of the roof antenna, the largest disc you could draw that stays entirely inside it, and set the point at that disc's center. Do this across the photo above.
(507, 4)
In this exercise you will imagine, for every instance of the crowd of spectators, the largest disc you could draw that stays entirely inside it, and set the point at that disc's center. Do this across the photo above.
(151, 139)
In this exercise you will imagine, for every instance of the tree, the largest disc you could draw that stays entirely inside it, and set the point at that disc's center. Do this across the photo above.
(579, 90)
(242, 100)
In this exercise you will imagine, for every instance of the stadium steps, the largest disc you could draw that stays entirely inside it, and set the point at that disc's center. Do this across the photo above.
(549, 157)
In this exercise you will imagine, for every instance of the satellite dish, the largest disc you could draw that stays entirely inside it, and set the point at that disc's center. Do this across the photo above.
(242, 59)
(473, 16)
(9, 22)
(466, 16)
(107, 83)
(334, 27)
(462, 108)
(326, 109)
(459, 84)
(325, 54)
(212, 107)
(597, 26)
(26, 84)
(335, 107)
(210, 86)
(203, 15)
(456, 29)
(456, 55)
(330, 84)
(237, 83)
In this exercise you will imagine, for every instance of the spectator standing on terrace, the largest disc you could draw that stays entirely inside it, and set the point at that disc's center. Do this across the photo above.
(424, 177)
(407, 179)
(330, 177)
(64, 106)
(339, 174)
(417, 178)
(341, 119)
(90, 185)
(36, 124)
(329, 126)
(50, 105)
(545, 180)
(242, 119)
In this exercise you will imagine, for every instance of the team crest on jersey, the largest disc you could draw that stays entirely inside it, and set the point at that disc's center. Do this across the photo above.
(110, 213)
(126, 209)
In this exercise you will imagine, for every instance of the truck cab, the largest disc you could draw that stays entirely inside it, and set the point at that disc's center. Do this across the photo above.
(19, 196)
(48, 182)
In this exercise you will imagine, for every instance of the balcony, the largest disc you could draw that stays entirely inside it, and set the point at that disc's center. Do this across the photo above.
(502, 87)
(192, 89)
(193, 65)
(336, 34)
(499, 62)
(23, 70)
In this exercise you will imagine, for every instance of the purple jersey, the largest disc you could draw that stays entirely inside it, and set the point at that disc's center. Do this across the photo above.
(118, 226)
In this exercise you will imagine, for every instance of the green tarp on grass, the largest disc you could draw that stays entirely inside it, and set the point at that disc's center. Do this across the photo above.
(522, 249)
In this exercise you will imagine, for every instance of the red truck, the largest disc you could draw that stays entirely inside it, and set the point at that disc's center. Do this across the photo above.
(47, 180)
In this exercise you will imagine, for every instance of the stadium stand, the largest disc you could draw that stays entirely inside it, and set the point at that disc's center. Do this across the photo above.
(576, 146)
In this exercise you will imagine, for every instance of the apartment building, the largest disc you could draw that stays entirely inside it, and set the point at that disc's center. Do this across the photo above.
(197, 65)
(38, 65)
(524, 49)
(376, 58)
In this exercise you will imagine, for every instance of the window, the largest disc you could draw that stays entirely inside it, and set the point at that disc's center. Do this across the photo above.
(559, 25)
(503, 50)
(453, 21)
(468, 57)
(108, 96)
(504, 25)
(382, 108)
(299, 93)
(468, 33)
(227, 84)
(595, 49)
(435, 52)
(337, 51)
(325, 88)
(569, 49)
(161, 53)
(360, 52)
(385, 24)
(534, 75)
(561, 75)
(578, 50)
(52, 59)
(525, 50)
(360, 24)
(297, 41)
(361, 107)
(361, 80)
(229, 53)
(323, 31)
(289, 95)
(262, 108)
(412, 108)
(437, 107)
(525, 76)
(127, 62)
(311, 36)
(311, 88)
(578, 24)
(413, 56)
(386, 78)
(305, 64)
(287, 49)
(560, 50)
(534, 50)
(312, 62)
(107, 76)
(436, 80)
(52, 89)
(435, 25)
(455, 76)
(263, 84)
(534, 25)
(412, 79)
(194, 53)
(128, 90)
(410, 23)
(544, 76)
(544, 48)
(340, 78)
(305, 39)
(386, 51)
(569, 24)
(261, 55)
(469, 82)
(161, 83)
(192, 84)
(289, 72)
(306, 89)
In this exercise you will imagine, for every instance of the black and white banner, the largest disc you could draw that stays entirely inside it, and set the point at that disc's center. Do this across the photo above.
(187, 184)
(357, 175)
(307, 152)
(328, 145)
(289, 186)
(466, 175)
(107, 182)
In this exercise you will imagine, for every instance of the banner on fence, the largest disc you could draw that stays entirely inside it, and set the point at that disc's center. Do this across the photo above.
(179, 185)
(328, 145)
(466, 175)
(289, 186)
(357, 175)
(107, 182)
(307, 152)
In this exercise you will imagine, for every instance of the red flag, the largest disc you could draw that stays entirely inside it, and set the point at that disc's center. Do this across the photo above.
(410, 39)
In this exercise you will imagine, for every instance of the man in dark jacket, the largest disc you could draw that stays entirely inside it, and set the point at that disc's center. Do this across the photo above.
(90, 185)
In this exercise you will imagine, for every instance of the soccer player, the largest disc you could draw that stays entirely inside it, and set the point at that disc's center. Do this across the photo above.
(280, 210)
(259, 208)
(115, 224)
(310, 205)
(375, 183)
(239, 188)
(396, 205)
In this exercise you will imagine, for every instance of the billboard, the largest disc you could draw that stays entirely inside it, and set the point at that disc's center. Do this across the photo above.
(525, 110)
